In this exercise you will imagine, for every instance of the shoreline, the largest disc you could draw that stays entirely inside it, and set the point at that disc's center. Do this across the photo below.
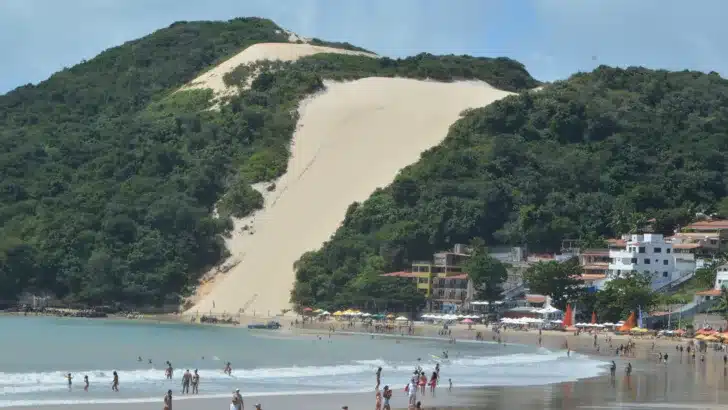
(695, 380)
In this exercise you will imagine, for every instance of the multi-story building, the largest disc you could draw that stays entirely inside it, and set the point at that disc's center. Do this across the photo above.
(649, 254)
(442, 281)
(721, 281)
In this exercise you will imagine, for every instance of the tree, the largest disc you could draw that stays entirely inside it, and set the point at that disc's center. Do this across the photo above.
(722, 306)
(621, 296)
(705, 276)
(561, 281)
(486, 272)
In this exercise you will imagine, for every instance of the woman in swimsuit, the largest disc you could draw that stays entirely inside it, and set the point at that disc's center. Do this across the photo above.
(168, 400)
(433, 383)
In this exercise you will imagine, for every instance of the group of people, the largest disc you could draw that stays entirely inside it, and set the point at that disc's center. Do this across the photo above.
(114, 382)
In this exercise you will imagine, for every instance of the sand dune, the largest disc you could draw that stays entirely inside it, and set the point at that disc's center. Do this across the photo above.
(258, 52)
(352, 138)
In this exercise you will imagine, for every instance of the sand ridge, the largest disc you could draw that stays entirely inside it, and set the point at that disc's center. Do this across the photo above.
(351, 139)
(213, 79)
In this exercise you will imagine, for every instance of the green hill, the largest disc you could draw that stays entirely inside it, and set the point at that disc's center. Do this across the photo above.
(588, 157)
(110, 176)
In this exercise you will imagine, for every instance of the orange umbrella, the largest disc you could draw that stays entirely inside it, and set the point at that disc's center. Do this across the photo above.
(594, 318)
(567, 317)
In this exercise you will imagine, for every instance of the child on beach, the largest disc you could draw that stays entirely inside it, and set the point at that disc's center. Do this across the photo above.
(387, 396)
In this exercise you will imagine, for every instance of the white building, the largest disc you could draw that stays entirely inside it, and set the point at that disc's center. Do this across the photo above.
(649, 254)
(721, 277)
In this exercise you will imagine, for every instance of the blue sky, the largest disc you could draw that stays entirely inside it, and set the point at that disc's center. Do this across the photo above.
(553, 38)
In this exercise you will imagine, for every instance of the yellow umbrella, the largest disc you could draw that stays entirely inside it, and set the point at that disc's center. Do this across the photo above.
(711, 339)
(700, 337)
(338, 313)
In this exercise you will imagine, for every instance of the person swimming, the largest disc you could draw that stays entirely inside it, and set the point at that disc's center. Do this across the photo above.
(228, 369)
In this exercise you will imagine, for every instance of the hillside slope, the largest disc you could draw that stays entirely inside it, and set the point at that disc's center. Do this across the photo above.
(351, 140)
(587, 157)
(111, 174)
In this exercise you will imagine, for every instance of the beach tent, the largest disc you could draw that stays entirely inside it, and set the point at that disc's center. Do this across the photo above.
(324, 313)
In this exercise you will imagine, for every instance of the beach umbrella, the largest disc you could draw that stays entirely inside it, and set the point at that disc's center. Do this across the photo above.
(324, 313)
(338, 313)
(568, 319)
(466, 321)
(401, 319)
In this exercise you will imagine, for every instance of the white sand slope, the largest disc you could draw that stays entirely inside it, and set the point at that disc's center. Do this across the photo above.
(352, 138)
(258, 52)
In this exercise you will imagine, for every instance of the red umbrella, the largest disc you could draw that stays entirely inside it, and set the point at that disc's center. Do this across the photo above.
(308, 309)
(594, 318)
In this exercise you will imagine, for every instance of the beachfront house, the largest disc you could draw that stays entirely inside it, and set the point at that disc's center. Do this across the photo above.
(649, 254)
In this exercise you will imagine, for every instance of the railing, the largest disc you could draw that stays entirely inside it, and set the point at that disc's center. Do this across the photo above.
(676, 282)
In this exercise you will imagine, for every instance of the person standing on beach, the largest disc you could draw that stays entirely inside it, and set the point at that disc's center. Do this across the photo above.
(168, 400)
(186, 378)
(115, 382)
(412, 391)
(168, 372)
(387, 395)
(195, 382)
(379, 376)
(238, 400)
(70, 378)
(85, 382)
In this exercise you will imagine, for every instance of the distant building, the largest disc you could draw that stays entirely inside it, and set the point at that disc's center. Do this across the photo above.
(649, 254)
(703, 237)
(442, 281)
(721, 281)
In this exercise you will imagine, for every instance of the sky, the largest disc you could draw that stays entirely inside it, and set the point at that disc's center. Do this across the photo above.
(553, 38)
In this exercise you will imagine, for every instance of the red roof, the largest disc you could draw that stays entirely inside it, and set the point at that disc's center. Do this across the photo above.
(404, 274)
(617, 242)
(535, 298)
(593, 276)
(709, 292)
(708, 225)
(686, 245)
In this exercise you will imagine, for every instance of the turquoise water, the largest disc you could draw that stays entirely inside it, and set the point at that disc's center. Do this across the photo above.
(37, 352)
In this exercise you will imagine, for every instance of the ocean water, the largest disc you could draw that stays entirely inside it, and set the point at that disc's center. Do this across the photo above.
(36, 352)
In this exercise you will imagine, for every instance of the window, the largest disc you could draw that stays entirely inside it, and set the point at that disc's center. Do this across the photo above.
(647, 261)
(665, 262)
(658, 250)
(642, 249)
(634, 260)
(713, 242)
(664, 274)
(667, 250)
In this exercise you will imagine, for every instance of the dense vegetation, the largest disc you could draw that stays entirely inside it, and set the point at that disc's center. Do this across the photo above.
(590, 157)
(110, 175)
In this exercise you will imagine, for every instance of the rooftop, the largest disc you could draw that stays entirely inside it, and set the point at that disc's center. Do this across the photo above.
(621, 243)
(709, 292)
(595, 252)
(403, 274)
(686, 245)
(593, 276)
(535, 298)
(708, 225)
